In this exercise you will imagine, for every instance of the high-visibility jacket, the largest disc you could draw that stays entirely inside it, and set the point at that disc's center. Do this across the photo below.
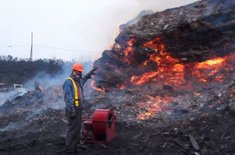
(73, 92)
(76, 94)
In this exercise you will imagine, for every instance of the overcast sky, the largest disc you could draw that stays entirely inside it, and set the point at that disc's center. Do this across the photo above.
(68, 29)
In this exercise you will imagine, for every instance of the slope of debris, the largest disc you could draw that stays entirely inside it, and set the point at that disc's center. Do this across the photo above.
(180, 59)
(31, 117)
(192, 33)
(189, 30)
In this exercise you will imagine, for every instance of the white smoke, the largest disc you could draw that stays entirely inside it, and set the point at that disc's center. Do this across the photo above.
(46, 80)
(4, 96)
(68, 29)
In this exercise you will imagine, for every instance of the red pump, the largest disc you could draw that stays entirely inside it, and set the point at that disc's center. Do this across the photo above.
(101, 128)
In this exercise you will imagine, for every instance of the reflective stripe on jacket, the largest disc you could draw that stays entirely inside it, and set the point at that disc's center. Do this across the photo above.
(69, 91)
(76, 94)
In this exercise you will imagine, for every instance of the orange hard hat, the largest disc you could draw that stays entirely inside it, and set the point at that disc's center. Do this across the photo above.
(78, 67)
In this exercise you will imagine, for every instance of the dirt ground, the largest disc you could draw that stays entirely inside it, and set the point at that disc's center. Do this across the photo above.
(214, 134)
(35, 124)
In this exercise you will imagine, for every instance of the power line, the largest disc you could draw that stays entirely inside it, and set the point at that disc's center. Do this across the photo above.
(57, 48)
(14, 46)
(44, 46)
(36, 46)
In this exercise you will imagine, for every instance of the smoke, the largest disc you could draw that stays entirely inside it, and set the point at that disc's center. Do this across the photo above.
(35, 105)
(68, 29)
(101, 22)
(4, 96)
(46, 80)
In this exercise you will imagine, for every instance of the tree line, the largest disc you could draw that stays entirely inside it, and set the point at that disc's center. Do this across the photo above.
(15, 70)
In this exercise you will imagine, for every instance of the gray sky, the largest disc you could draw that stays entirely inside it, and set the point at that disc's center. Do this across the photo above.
(68, 29)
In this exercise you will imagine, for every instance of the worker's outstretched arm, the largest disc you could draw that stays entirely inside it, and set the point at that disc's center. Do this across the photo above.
(88, 75)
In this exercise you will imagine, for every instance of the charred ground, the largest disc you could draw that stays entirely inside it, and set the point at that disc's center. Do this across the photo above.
(43, 132)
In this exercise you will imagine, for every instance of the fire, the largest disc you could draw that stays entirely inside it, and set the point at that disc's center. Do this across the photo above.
(129, 50)
(145, 78)
(172, 71)
(152, 106)
(169, 69)
(203, 71)
(214, 68)
(209, 69)
(93, 86)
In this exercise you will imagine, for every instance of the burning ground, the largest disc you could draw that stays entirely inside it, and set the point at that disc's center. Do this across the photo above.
(169, 78)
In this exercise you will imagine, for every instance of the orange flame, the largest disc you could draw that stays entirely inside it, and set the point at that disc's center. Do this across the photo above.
(171, 71)
(129, 50)
(154, 105)
(93, 86)
(208, 69)
(144, 78)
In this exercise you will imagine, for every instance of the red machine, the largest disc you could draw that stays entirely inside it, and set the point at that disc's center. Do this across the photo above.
(101, 128)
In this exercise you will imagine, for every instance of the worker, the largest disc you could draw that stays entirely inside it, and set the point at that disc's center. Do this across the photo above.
(74, 100)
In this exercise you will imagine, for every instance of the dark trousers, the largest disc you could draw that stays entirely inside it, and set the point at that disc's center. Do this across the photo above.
(73, 131)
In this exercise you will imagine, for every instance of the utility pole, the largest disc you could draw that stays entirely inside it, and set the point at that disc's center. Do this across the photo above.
(31, 50)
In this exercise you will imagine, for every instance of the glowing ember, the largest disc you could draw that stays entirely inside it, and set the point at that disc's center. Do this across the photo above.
(122, 87)
(213, 69)
(129, 50)
(153, 106)
(208, 69)
(171, 71)
(93, 86)
(145, 78)
(210, 63)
